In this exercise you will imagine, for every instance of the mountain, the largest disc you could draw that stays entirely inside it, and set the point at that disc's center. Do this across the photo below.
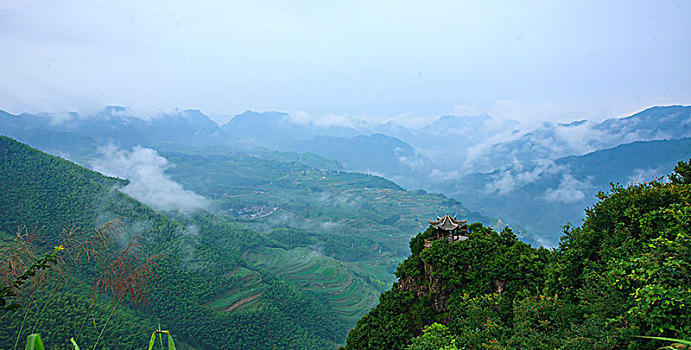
(331, 236)
(204, 282)
(362, 220)
(615, 282)
(451, 149)
(272, 130)
(460, 145)
(276, 130)
(655, 123)
(546, 195)
(375, 153)
(117, 125)
(451, 140)
(74, 134)
(552, 141)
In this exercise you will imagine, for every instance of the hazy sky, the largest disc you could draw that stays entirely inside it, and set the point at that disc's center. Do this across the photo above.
(561, 60)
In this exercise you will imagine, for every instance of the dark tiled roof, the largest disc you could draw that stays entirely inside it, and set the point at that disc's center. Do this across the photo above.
(447, 223)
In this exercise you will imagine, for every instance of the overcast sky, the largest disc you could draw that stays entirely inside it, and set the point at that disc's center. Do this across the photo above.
(559, 60)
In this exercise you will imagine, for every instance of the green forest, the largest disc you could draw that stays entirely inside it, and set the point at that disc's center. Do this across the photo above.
(618, 279)
(82, 260)
(108, 236)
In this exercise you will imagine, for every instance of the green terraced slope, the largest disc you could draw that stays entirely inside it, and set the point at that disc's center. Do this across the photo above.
(347, 294)
(361, 220)
(244, 295)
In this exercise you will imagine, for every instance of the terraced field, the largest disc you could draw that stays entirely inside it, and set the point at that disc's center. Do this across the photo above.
(348, 295)
(360, 224)
(245, 295)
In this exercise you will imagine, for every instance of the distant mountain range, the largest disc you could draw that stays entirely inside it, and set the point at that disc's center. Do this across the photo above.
(462, 156)
(376, 153)
(182, 129)
(545, 195)
(552, 141)
(74, 134)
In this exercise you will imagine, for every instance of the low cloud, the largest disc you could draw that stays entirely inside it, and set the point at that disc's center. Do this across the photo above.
(330, 226)
(148, 183)
(338, 200)
(414, 162)
(188, 247)
(323, 121)
(645, 175)
(437, 175)
(570, 190)
(516, 177)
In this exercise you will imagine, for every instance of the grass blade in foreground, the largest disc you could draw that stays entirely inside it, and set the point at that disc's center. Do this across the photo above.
(33, 342)
(680, 341)
(171, 343)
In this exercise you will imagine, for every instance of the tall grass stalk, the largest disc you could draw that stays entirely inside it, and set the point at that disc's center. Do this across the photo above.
(160, 339)
(45, 305)
(21, 328)
(86, 317)
(112, 311)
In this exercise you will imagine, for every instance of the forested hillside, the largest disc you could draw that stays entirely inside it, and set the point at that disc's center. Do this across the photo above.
(336, 236)
(624, 273)
(361, 220)
(202, 286)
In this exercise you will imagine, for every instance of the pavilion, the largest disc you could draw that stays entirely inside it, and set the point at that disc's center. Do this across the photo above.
(448, 227)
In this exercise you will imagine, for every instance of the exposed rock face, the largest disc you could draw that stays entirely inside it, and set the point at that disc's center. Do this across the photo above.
(430, 286)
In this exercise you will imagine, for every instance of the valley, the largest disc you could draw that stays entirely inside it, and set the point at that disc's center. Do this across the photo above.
(264, 233)
(360, 175)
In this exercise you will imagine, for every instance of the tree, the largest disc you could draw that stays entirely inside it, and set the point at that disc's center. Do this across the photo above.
(435, 337)
(682, 173)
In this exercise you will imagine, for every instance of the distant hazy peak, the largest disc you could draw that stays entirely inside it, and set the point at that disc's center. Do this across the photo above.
(453, 117)
(251, 113)
(6, 114)
(574, 123)
(114, 109)
(652, 113)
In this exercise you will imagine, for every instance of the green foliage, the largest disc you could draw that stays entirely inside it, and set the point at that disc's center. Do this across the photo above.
(387, 326)
(454, 284)
(169, 340)
(43, 263)
(657, 277)
(63, 317)
(623, 273)
(200, 250)
(682, 173)
(547, 322)
(627, 266)
(33, 342)
(477, 320)
(435, 337)
(30, 186)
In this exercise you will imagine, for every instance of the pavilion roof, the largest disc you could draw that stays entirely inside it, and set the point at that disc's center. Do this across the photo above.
(447, 223)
